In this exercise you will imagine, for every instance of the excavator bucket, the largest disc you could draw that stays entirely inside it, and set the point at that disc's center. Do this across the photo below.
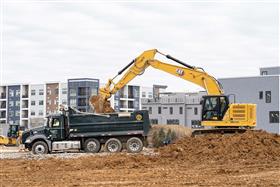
(100, 105)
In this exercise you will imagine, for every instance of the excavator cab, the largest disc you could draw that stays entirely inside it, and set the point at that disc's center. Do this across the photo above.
(214, 107)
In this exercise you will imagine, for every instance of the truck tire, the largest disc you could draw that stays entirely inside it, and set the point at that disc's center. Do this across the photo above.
(134, 145)
(113, 145)
(92, 145)
(40, 147)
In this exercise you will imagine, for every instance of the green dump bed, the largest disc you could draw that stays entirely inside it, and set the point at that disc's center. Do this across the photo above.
(115, 124)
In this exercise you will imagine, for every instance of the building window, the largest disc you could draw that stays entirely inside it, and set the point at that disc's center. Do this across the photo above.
(264, 73)
(73, 102)
(172, 122)
(150, 95)
(64, 90)
(159, 110)
(11, 104)
(11, 93)
(170, 110)
(49, 92)
(17, 103)
(268, 96)
(181, 110)
(32, 113)
(73, 92)
(56, 91)
(143, 94)
(17, 92)
(41, 91)
(83, 91)
(274, 116)
(261, 95)
(17, 113)
(154, 121)
(41, 113)
(82, 102)
(150, 110)
(11, 113)
(33, 103)
(94, 91)
(49, 102)
(41, 102)
(64, 102)
(33, 92)
(195, 111)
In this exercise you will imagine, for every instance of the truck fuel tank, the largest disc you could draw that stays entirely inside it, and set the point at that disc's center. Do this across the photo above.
(65, 145)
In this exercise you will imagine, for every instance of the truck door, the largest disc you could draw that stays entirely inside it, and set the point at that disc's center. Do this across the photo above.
(57, 129)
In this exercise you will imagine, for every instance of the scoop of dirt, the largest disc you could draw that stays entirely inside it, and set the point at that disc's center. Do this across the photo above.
(100, 105)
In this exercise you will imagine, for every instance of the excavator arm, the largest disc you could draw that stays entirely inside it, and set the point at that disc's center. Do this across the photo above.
(137, 67)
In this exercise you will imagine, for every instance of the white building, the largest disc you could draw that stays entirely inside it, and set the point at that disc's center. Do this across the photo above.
(175, 108)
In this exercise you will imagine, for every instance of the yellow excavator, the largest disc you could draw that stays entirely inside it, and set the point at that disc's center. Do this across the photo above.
(218, 114)
(13, 136)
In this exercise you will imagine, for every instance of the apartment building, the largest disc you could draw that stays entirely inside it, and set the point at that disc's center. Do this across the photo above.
(13, 106)
(79, 92)
(262, 90)
(175, 108)
(126, 99)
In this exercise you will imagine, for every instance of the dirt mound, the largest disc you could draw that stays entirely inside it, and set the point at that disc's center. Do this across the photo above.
(249, 146)
(249, 159)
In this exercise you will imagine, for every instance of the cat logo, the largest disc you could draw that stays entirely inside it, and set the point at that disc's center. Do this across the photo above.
(180, 72)
(139, 117)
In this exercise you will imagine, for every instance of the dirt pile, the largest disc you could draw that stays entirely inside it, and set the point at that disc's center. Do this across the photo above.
(249, 146)
(249, 159)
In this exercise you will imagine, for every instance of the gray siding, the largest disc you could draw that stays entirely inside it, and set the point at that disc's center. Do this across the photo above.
(247, 91)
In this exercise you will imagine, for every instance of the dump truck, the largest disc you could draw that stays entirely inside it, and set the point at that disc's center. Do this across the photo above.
(89, 132)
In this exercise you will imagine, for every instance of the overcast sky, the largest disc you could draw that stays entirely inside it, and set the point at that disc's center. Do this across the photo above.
(55, 41)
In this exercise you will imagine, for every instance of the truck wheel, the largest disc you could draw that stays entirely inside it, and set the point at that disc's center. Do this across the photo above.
(134, 145)
(92, 145)
(40, 147)
(113, 145)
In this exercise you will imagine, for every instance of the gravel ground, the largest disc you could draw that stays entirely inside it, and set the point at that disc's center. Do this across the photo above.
(17, 153)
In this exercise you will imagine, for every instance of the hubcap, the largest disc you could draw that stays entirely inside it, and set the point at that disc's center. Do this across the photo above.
(113, 147)
(91, 146)
(40, 149)
(134, 146)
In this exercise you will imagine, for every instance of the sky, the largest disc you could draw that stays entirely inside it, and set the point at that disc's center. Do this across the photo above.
(45, 41)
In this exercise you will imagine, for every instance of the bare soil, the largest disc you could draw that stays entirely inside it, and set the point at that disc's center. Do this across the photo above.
(249, 159)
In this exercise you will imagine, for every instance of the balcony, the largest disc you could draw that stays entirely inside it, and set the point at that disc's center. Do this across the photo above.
(3, 105)
(24, 114)
(24, 104)
(123, 106)
(3, 96)
(131, 96)
(25, 95)
(3, 114)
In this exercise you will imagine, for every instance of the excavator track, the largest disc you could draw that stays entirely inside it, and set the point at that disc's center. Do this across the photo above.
(201, 132)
